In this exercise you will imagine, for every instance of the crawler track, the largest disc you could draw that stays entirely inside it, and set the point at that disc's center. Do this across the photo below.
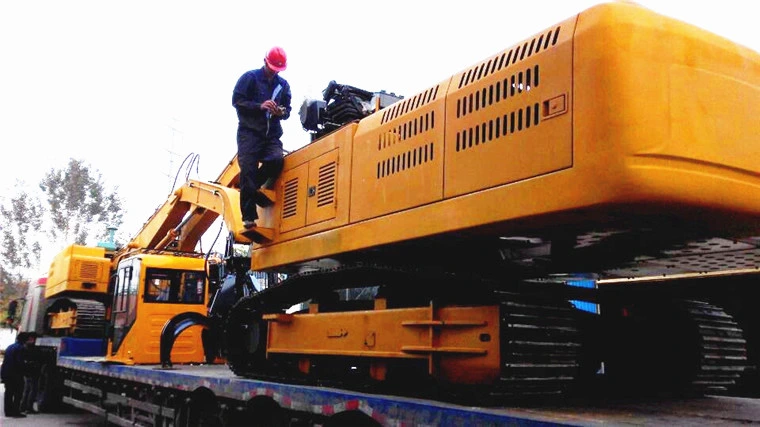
(90, 316)
(722, 355)
(539, 344)
(682, 346)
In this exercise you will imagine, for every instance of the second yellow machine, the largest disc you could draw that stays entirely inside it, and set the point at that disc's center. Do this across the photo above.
(131, 294)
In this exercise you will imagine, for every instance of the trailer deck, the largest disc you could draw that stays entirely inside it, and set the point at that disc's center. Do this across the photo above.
(404, 411)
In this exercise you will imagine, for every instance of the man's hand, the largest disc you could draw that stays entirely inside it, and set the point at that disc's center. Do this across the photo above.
(270, 106)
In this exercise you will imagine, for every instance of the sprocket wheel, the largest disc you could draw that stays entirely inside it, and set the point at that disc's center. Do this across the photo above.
(245, 334)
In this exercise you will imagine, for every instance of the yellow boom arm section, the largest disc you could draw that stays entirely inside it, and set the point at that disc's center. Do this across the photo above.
(196, 201)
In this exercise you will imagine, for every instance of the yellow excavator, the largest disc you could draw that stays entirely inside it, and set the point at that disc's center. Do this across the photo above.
(610, 159)
(129, 294)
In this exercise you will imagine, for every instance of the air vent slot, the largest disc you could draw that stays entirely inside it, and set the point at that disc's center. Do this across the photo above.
(290, 199)
(406, 130)
(326, 184)
(88, 270)
(407, 105)
(498, 127)
(510, 57)
(502, 90)
(405, 161)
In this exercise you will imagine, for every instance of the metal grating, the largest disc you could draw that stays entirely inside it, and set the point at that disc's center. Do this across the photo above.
(701, 263)
(697, 256)
(507, 58)
(290, 199)
(88, 270)
(595, 237)
(326, 184)
(718, 261)
(708, 246)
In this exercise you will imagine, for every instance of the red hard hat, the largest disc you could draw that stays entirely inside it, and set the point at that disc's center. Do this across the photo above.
(276, 59)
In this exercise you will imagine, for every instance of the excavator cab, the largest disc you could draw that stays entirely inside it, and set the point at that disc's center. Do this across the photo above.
(158, 286)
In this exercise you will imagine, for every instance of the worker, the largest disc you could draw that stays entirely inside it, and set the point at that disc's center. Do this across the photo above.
(32, 366)
(12, 375)
(262, 100)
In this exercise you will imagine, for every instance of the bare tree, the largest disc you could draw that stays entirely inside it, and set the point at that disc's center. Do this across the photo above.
(79, 204)
(12, 287)
(20, 221)
(74, 206)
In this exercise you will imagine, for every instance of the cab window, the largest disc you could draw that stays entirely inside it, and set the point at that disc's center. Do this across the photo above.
(174, 286)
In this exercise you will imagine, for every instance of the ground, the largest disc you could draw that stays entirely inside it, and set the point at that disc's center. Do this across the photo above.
(73, 417)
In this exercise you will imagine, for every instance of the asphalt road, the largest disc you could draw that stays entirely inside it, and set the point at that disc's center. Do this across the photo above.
(72, 417)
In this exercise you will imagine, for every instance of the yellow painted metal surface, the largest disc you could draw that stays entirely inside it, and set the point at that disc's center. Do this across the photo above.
(666, 111)
(398, 159)
(452, 340)
(637, 113)
(78, 269)
(293, 205)
(63, 320)
(313, 189)
(230, 176)
(508, 117)
(212, 200)
(322, 192)
(141, 345)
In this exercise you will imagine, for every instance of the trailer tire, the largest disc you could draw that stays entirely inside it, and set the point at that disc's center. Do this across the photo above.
(49, 389)
(351, 419)
(199, 409)
(264, 412)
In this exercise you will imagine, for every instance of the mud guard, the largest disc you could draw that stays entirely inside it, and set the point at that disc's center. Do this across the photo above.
(173, 328)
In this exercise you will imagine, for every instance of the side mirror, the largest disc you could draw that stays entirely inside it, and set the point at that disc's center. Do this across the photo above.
(12, 309)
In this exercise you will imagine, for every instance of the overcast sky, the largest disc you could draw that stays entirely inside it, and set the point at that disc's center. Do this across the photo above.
(134, 87)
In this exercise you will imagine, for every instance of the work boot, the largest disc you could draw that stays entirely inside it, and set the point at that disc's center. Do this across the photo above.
(265, 197)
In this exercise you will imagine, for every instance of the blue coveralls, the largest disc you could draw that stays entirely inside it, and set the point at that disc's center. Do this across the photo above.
(258, 134)
(12, 375)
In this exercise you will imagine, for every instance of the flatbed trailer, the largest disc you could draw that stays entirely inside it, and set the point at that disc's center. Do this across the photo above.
(213, 395)
(310, 405)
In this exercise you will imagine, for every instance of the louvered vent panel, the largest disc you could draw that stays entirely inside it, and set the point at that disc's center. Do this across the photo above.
(326, 185)
(498, 127)
(503, 90)
(410, 104)
(290, 199)
(507, 116)
(406, 130)
(512, 56)
(406, 161)
(88, 270)
(321, 202)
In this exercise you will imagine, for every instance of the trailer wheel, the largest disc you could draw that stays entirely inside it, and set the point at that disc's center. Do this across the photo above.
(49, 396)
(351, 419)
(260, 411)
(200, 409)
